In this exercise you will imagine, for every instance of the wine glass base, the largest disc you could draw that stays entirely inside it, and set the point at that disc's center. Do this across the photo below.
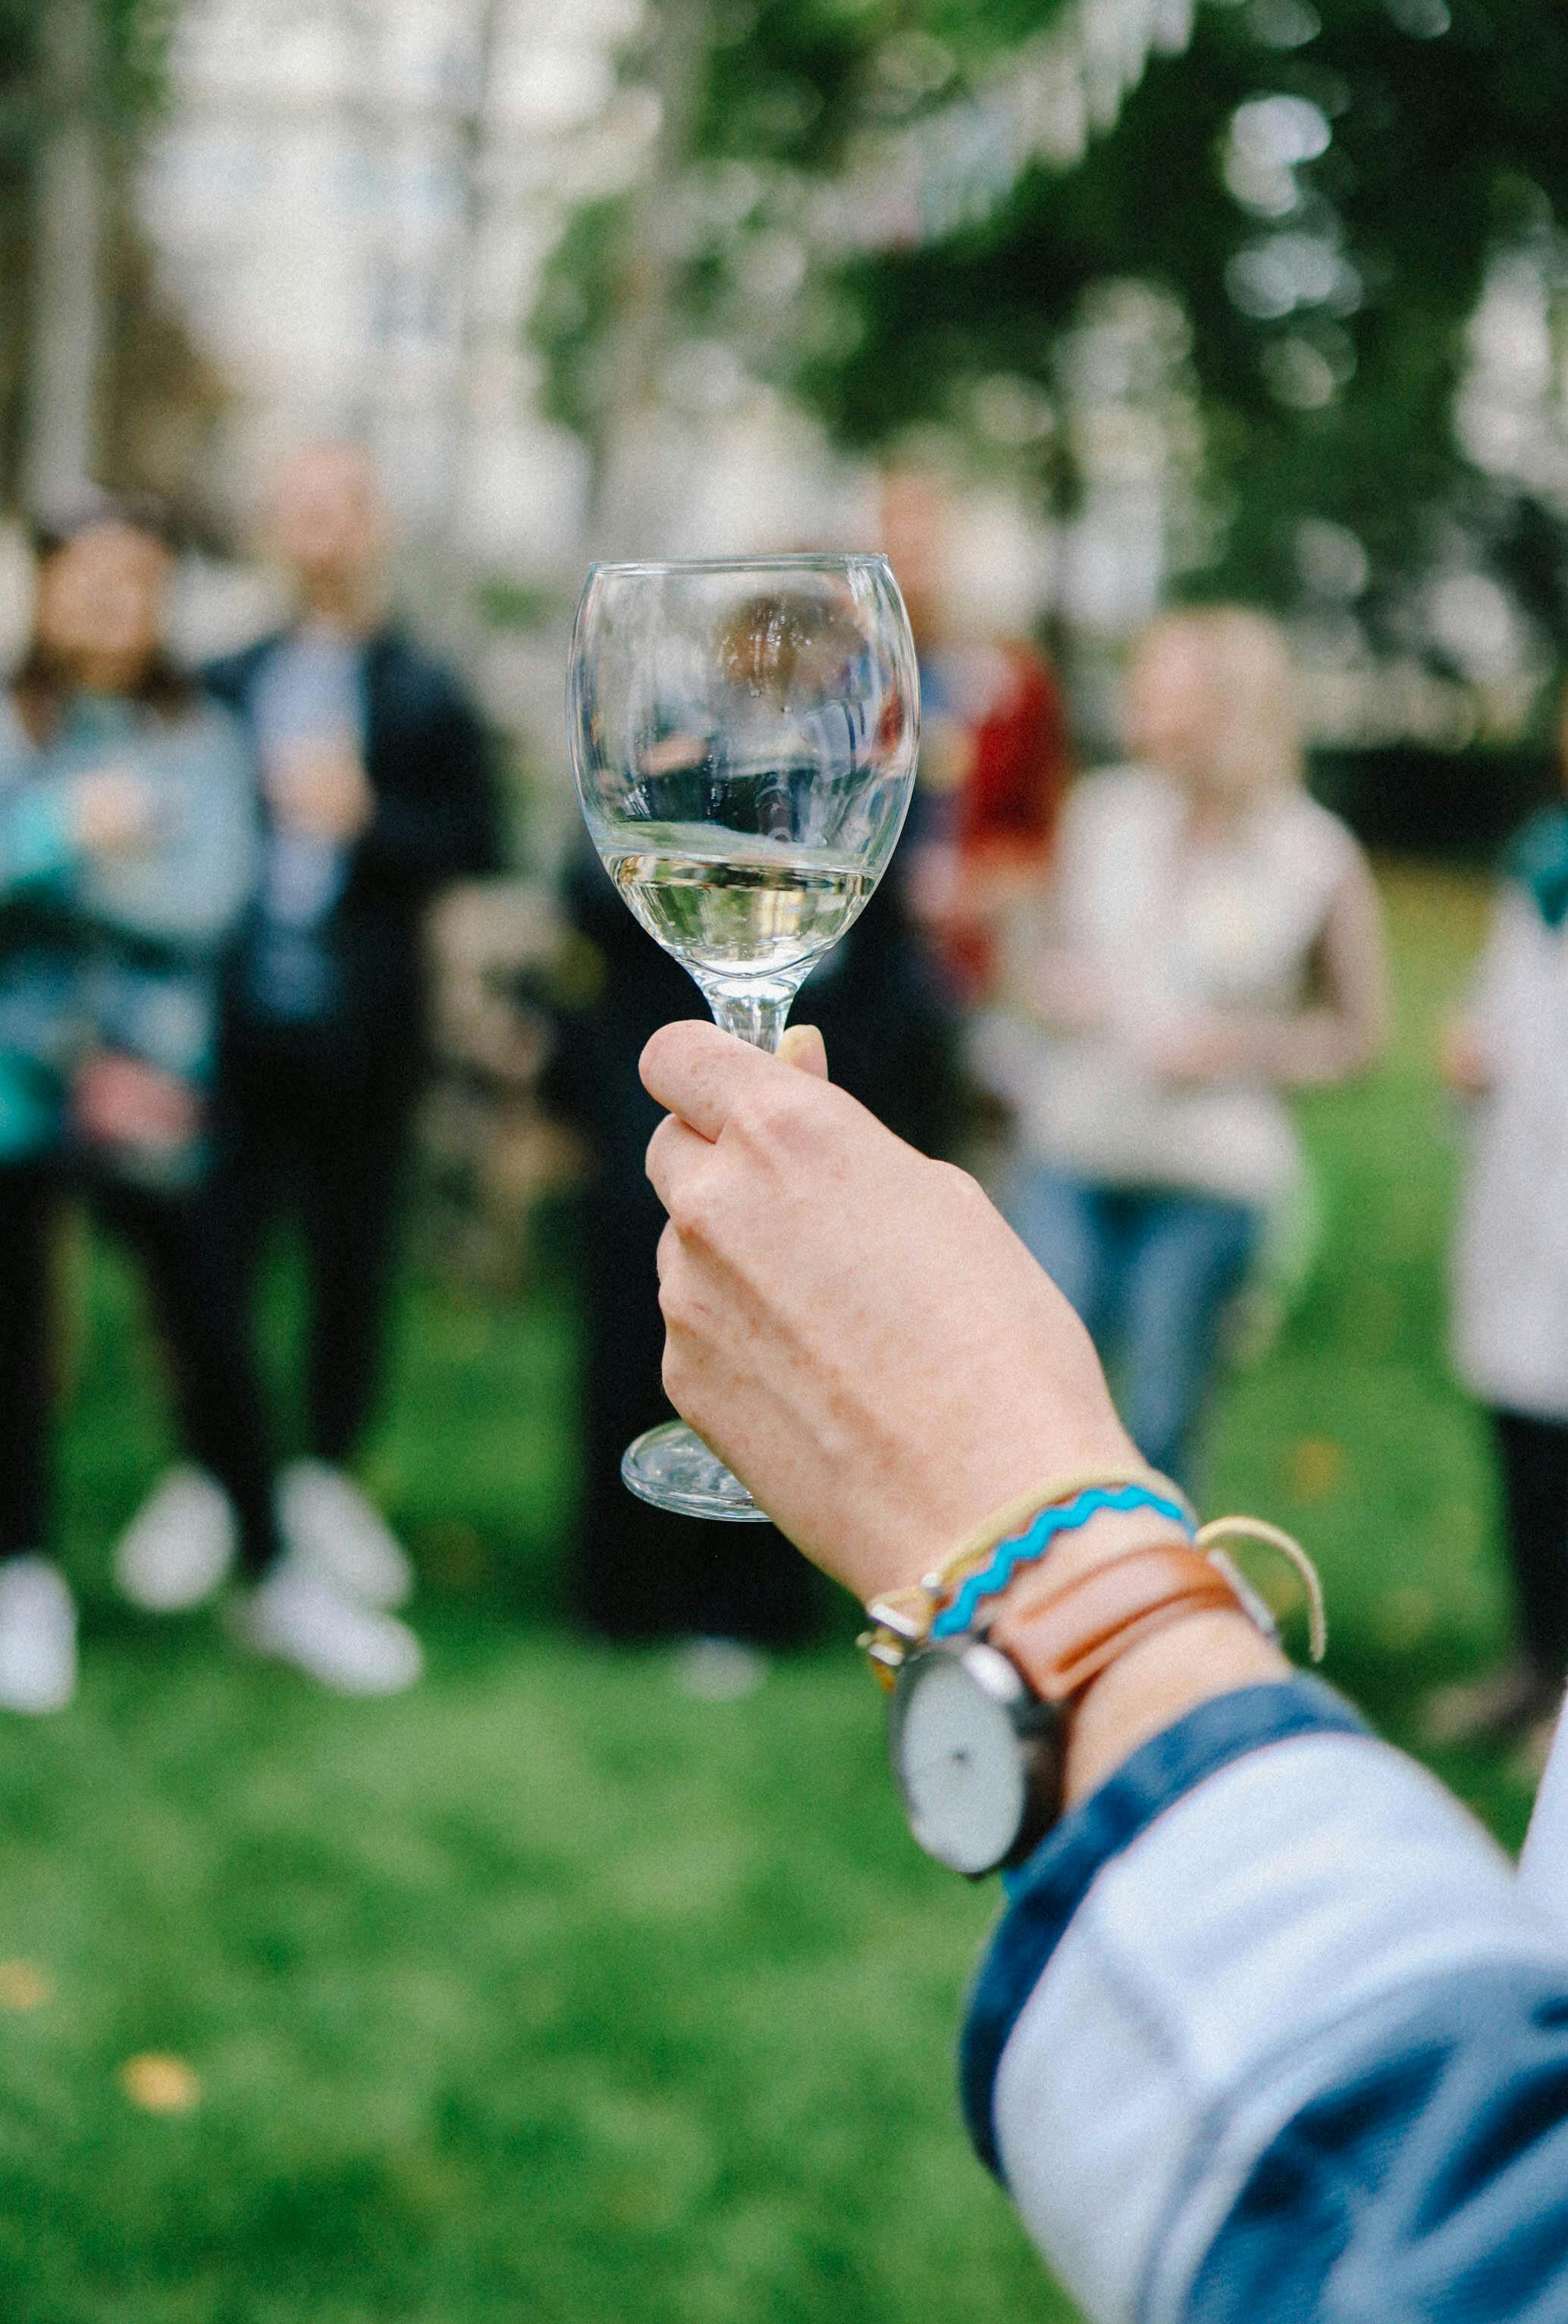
(672, 1468)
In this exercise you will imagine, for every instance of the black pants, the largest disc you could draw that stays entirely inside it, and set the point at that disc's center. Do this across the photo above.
(640, 1572)
(322, 1132)
(1532, 1456)
(175, 1243)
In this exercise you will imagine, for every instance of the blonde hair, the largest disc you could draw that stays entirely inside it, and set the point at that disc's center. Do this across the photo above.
(1247, 660)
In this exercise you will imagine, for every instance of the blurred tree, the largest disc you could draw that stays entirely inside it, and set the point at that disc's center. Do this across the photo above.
(1323, 186)
(1327, 189)
(75, 77)
(785, 124)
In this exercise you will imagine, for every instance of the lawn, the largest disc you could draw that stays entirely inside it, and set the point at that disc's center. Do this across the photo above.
(545, 1992)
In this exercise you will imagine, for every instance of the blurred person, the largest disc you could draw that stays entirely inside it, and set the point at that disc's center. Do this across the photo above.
(375, 792)
(1270, 2028)
(1507, 1055)
(994, 756)
(1209, 938)
(126, 855)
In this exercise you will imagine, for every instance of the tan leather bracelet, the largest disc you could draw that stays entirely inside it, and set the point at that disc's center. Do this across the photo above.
(1064, 1638)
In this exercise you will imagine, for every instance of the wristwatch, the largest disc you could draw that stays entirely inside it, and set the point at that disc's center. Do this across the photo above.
(979, 1722)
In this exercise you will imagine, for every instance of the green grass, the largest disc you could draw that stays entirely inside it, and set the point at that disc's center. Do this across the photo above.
(545, 1993)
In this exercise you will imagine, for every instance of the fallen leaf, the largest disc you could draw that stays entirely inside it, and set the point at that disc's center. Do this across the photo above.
(159, 2084)
(1317, 1468)
(24, 1986)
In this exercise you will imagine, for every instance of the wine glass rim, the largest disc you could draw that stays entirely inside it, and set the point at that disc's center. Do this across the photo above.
(798, 560)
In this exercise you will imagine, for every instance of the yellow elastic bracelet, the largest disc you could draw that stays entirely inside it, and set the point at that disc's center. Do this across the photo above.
(1220, 1529)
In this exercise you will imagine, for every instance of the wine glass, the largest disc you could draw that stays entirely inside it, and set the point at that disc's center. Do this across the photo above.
(743, 734)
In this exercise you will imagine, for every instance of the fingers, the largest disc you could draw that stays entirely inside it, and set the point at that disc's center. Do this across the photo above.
(804, 1047)
(697, 1071)
(675, 1153)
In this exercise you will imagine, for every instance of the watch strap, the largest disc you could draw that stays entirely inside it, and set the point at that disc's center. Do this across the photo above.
(1063, 1639)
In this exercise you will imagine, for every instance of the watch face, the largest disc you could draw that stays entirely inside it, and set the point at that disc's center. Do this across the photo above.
(962, 1751)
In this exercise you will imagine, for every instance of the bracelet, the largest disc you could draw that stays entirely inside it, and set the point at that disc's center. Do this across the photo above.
(1024, 1548)
(903, 1619)
(943, 1603)
(1273, 1536)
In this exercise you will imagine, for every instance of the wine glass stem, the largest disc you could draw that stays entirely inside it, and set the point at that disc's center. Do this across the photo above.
(754, 1014)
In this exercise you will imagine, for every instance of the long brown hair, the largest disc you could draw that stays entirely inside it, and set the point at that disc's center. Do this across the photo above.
(40, 687)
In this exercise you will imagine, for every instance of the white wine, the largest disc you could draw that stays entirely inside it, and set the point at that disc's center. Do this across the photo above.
(736, 904)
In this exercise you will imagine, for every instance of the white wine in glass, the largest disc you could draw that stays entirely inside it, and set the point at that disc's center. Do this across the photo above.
(744, 733)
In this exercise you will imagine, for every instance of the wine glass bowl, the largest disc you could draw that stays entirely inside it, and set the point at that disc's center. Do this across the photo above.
(744, 733)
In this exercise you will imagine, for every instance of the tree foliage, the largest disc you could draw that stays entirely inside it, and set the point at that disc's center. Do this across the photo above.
(1327, 278)
(1443, 145)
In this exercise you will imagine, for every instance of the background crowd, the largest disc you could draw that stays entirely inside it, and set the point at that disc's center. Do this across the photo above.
(591, 1972)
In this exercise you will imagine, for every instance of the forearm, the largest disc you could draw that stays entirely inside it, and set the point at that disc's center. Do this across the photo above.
(1157, 1681)
(1237, 1930)
(1312, 1049)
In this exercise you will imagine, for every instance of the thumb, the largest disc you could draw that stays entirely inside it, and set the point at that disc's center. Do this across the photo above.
(803, 1047)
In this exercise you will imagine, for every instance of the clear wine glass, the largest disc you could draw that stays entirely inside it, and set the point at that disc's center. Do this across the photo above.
(743, 733)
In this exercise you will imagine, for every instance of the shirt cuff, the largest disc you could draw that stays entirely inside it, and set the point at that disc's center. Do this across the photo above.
(1045, 1894)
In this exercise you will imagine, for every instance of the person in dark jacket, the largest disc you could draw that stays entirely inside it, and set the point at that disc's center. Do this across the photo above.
(375, 792)
(640, 1573)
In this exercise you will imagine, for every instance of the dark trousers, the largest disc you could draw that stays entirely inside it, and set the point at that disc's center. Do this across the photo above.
(322, 1132)
(1532, 1456)
(176, 1244)
(643, 1572)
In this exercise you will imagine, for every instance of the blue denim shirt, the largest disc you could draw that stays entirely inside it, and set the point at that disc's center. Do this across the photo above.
(1269, 2033)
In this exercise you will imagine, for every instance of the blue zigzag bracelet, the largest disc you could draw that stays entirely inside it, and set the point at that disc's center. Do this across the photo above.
(1024, 1548)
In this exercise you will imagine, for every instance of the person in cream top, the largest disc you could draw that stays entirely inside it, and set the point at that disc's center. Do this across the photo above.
(1209, 941)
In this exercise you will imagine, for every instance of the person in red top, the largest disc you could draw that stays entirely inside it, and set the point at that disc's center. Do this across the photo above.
(994, 757)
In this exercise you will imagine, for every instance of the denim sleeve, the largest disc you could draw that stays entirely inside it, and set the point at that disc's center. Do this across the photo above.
(1245, 1924)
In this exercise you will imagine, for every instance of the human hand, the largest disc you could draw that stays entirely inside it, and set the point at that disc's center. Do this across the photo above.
(320, 791)
(120, 1100)
(1462, 1060)
(1188, 1050)
(851, 1326)
(113, 811)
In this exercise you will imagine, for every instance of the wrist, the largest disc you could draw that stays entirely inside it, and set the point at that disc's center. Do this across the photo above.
(1108, 1535)
(1155, 1682)
(1158, 1680)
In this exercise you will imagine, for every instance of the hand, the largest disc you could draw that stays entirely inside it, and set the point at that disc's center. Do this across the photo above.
(1204, 1046)
(113, 811)
(320, 791)
(851, 1326)
(120, 1100)
(1462, 1060)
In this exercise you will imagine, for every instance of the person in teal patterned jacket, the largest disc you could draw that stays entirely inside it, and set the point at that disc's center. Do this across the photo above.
(127, 852)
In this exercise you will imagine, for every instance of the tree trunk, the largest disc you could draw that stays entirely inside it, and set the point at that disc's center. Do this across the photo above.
(66, 317)
(627, 500)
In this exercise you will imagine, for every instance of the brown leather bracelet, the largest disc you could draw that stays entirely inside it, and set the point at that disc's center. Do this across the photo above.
(1063, 1639)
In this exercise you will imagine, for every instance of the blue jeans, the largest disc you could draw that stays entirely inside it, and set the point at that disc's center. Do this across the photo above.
(1150, 1272)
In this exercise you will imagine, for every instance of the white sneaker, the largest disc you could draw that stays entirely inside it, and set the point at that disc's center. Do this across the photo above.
(718, 1670)
(37, 1637)
(333, 1531)
(300, 1619)
(179, 1546)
